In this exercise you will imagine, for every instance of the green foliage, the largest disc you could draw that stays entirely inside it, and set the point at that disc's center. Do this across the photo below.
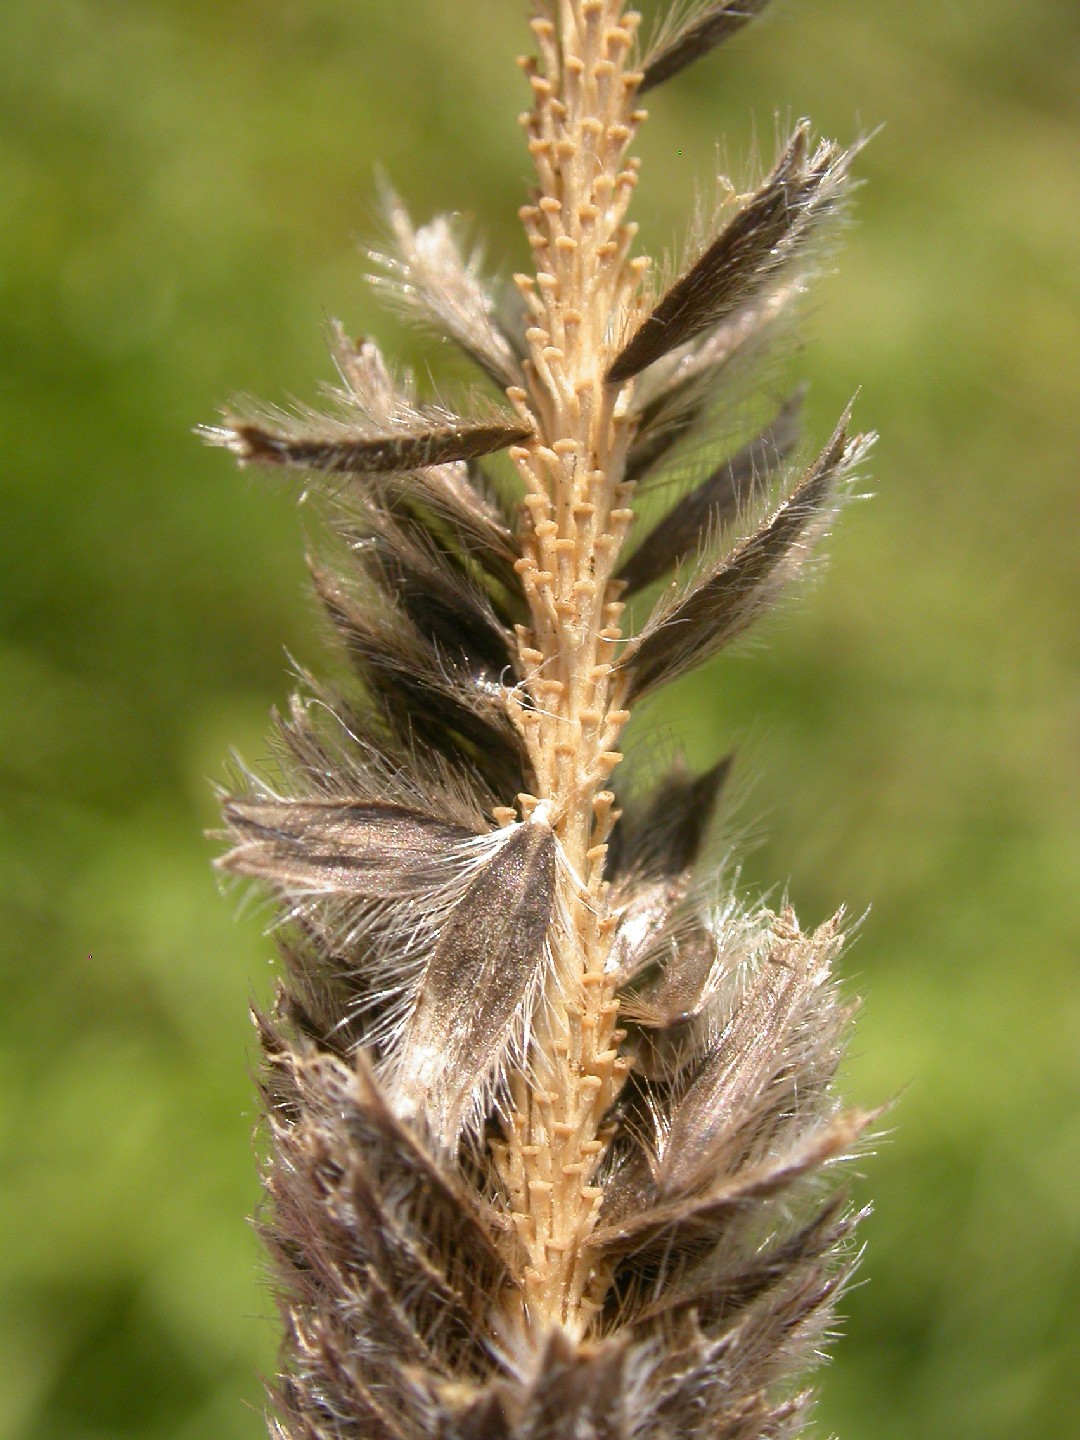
(180, 186)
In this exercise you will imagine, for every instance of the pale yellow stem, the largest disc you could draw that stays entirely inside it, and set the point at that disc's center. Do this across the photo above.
(576, 518)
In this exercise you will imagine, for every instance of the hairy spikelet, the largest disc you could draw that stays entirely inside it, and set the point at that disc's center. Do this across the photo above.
(550, 1110)
(690, 31)
(768, 233)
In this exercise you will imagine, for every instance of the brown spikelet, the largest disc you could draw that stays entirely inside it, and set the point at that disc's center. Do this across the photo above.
(332, 447)
(334, 848)
(729, 595)
(687, 37)
(489, 955)
(714, 503)
(427, 277)
(549, 1107)
(766, 235)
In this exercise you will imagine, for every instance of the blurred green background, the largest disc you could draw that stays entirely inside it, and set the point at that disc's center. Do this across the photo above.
(182, 186)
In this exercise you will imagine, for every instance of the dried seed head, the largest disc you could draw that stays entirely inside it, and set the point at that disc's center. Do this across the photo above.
(548, 1107)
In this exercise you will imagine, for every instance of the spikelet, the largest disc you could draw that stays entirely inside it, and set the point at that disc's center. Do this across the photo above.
(550, 1110)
